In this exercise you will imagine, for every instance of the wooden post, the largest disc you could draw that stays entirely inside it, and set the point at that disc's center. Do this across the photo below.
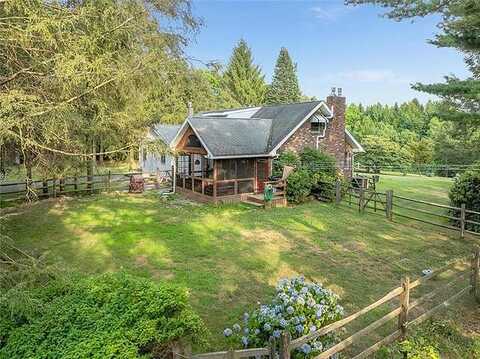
(338, 192)
(389, 205)
(45, 187)
(361, 200)
(62, 185)
(284, 345)
(54, 193)
(235, 187)
(404, 306)
(109, 181)
(374, 200)
(474, 279)
(75, 183)
(462, 221)
(349, 196)
(271, 347)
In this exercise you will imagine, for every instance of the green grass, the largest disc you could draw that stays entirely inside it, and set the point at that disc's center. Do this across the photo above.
(430, 189)
(230, 257)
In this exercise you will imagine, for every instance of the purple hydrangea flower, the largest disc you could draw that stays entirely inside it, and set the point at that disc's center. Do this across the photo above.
(245, 341)
(236, 327)
(306, 348)
(227, 332)
(290, 310)
(267, 327)
(277, 333)
(299, 328)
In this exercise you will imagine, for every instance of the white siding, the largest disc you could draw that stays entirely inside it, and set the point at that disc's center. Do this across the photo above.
(154, 162)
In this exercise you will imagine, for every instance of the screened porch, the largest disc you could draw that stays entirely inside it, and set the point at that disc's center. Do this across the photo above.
(222, 177)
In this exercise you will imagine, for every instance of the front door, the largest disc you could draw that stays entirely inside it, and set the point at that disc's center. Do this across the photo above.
(262, 174)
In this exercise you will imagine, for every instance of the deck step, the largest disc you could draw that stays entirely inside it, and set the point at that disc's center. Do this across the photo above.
(256, 204)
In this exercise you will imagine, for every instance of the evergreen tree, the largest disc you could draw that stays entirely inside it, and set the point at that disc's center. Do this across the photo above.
(284, 87)
(460, 29)
(243, 78)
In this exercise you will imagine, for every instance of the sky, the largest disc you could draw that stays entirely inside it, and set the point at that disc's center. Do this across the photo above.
(372, 58)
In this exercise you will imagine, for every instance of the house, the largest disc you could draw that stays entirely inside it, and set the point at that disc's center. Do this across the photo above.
(152, 162)
(227, 155)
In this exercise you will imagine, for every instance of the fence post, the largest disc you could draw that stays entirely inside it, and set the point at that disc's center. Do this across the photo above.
(474, 279)
(61, 182)
(45, 187)
(338, 191)
(271, 347)
(361, 200)
(75, 183)
(404, 305)
(284, 345)
(54, 192)
(462, 221)
(109, 181)
(389, 205)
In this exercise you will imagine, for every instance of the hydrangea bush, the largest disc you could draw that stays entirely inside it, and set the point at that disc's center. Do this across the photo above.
(299, 308)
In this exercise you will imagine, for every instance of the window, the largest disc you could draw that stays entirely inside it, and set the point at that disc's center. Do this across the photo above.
(183, 165)
(162, 159)
(318, 125)
(193, 141)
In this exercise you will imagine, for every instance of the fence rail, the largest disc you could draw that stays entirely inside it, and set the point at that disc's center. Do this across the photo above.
(459, 219)
(54, 187)
(403, 313)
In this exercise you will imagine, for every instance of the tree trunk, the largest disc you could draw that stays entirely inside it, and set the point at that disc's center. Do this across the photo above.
(91, 165)
(100, 156)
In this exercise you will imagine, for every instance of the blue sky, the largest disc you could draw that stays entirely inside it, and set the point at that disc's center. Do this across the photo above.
(374, 59)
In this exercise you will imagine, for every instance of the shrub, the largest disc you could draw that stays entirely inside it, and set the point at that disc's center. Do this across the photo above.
(112, 315)
(287, 158)
(466, 189)
(319, 163)
(299, 185)
(298, 308)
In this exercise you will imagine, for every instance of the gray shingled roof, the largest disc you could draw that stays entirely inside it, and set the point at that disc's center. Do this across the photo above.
(284, 118)
(258, 135)
(233, 136)
(165, 132)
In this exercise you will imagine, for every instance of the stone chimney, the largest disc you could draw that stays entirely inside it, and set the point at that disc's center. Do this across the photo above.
(336, 144)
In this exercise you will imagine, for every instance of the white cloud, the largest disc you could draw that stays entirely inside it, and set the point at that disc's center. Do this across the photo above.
(373, 75)
(329, 13)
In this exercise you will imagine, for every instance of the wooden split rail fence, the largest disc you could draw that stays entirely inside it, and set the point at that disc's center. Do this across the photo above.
(55, 187)
(467, 279)
(459, 219)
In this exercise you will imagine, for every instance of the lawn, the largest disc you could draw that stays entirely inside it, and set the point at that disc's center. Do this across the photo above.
(230, 257)
(431, 189)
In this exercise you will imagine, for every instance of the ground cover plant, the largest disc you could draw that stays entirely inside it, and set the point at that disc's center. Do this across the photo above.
(113, 315)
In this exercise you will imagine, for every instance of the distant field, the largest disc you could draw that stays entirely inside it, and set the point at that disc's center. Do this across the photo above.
(431, 189)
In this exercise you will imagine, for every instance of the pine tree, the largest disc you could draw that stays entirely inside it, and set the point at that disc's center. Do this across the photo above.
(284, 87)
(243, 78)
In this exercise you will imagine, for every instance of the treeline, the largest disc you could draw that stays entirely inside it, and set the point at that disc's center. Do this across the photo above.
(412, 135)
(82, 81)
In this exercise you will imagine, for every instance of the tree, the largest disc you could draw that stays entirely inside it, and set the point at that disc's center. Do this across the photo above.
(460, 29)
(284, 87)
(243, 78)
(76, 73)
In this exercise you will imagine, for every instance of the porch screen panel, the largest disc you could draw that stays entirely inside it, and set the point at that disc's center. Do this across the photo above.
(245, 168)
(226, 170)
